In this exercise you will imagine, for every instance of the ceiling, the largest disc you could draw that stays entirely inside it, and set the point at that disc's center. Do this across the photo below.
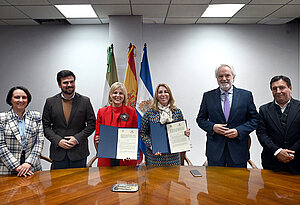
(23, 12)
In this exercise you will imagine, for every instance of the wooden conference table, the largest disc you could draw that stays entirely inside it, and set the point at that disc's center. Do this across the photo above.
(172, 185)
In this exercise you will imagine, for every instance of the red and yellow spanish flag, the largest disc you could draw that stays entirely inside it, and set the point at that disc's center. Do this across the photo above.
(130, 81)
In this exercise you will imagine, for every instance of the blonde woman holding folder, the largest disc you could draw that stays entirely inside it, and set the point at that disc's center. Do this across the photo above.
(162, 111)
(117, 114)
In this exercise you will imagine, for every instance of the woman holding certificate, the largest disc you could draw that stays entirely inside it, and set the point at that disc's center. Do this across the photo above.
(117, 114)
(162, 111)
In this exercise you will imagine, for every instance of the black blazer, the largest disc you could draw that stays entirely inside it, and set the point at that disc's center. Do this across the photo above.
(243, 117)
(81, 125)
(272, 136)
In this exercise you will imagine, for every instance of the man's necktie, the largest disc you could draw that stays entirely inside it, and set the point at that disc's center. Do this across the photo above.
(284, 116)
(226, 106)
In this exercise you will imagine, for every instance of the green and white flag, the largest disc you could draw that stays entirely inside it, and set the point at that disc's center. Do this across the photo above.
(111, 74)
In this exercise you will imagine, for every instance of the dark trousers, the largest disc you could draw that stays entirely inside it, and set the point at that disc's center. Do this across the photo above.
(22, 157)
(226, 160)
(114, 162)
(67, 163)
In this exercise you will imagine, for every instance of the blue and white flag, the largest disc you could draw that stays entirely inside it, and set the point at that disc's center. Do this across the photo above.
(145, 92)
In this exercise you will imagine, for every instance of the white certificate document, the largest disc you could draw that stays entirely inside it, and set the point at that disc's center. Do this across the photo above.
(127, 146)
(177, 140)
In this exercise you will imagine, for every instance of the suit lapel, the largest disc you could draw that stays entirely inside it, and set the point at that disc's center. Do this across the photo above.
(274, 116)
(74, 108)
(14, 125)
(235, 101)
(217, 98)
(28, 126)
(60, 108)
(294, 109)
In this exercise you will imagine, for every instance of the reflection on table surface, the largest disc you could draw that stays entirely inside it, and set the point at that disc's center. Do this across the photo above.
(169, 185)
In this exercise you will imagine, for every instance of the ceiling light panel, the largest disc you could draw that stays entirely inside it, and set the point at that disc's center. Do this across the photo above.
(222, 10)
(77, 11)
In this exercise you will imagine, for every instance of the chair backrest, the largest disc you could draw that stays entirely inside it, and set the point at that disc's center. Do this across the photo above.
(183, 158)
(47, 159)
(249, 161)
(92, 160)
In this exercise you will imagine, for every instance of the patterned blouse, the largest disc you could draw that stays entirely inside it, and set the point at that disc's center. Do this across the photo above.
(151, 116)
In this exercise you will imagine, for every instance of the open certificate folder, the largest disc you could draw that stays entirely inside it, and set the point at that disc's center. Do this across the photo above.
(169, 138)
(118, 143)
(178, 141)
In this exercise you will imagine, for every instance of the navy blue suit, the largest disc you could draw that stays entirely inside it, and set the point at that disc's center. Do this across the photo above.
(243, 117)
(273, 136)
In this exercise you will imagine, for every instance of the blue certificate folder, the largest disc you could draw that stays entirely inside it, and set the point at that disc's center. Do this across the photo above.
(108, 142)
(107, 146)
(159, 138)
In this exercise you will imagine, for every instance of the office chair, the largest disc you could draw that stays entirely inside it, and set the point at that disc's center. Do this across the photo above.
(183, 158)
(253, 166)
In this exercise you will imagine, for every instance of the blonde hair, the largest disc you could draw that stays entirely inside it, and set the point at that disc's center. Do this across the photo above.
(155, 100)
(114, 87)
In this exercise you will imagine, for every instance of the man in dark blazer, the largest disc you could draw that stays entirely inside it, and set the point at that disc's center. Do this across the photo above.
(228, 115)
(68, 120)
(279, 128)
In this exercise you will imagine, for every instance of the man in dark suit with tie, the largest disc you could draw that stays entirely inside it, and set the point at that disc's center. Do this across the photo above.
(279, 128)
(68, 121)
(228, 115)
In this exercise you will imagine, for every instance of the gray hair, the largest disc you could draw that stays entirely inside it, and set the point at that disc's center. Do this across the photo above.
(225, 65)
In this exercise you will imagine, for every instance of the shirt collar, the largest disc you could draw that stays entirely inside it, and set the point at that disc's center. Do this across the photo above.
(230, 91)
(16, 117)
(63, 97)
(284, 106)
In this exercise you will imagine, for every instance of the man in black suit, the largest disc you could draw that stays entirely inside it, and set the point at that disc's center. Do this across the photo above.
(228, 115)
(279, 128)
(68, 120)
